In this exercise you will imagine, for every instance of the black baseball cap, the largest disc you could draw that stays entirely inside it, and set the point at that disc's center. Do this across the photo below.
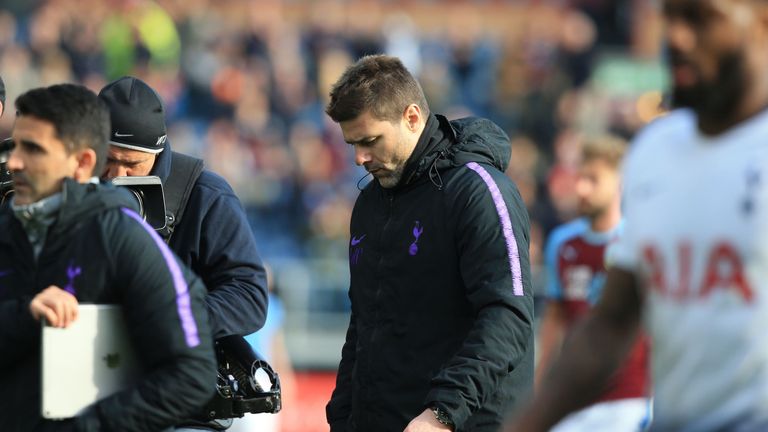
(137, 114)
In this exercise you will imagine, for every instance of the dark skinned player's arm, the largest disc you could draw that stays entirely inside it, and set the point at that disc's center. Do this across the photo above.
(589, 357)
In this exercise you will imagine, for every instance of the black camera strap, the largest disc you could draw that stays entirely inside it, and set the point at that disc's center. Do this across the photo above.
(178, 187)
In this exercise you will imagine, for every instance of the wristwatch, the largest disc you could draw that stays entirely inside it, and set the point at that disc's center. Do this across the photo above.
(442, 417)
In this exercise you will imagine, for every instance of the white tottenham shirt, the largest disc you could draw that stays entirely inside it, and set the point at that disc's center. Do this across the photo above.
(696, 233)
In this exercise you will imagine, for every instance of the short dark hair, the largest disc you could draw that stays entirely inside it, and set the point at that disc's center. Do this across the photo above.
(377, 83)
(80, 118)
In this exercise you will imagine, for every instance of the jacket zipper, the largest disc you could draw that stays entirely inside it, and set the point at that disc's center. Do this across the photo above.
(390, 204)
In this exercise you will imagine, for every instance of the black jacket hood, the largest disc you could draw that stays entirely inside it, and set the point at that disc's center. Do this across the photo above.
(445, 144)
(80, 201)
(479, 140)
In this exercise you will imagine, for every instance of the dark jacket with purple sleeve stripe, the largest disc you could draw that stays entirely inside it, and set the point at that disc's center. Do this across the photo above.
(121, 261)
(442, 307)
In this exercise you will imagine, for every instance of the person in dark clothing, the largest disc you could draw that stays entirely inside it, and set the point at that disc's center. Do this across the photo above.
(213, 238)
(440, 335)
(69, 240)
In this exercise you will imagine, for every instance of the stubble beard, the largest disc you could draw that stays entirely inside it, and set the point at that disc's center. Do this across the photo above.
(392, 178)
(592, 211)
(712, 101)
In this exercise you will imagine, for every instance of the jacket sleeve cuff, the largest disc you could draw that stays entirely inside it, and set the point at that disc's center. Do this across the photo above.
(89, 421)
(450, 403)
(339, 425)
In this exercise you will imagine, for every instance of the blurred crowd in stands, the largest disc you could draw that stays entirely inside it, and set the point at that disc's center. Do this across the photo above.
(245, 83)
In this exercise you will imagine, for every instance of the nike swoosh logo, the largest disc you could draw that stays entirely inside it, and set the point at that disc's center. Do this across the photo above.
(119, 135)
(356, 241)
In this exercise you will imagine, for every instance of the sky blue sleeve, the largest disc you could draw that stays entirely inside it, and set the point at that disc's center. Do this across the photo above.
(554, 289)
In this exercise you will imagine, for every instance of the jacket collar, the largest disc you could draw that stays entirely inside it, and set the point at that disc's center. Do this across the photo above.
(436, 137)
(82, 200)
(162, 166)
(77, 202)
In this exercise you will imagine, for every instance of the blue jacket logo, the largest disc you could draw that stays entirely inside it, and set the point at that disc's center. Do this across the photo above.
(355, 249)
(72, 273)
(417, 230)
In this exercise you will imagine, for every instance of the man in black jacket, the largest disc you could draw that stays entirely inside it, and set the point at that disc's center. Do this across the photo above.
(440, 336)
(68, 240)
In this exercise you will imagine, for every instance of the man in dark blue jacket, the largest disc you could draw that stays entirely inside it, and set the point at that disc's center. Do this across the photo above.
(440, 336)
(213, 238)
(67, 240)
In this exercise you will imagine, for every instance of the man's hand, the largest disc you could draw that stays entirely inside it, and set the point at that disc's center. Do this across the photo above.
(426, 422)
(57, 306)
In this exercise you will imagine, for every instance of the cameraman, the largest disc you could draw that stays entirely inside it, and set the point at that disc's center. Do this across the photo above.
(62, 229)
(213, 236)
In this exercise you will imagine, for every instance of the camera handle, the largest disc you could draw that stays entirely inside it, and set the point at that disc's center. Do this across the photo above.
(238, 390)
